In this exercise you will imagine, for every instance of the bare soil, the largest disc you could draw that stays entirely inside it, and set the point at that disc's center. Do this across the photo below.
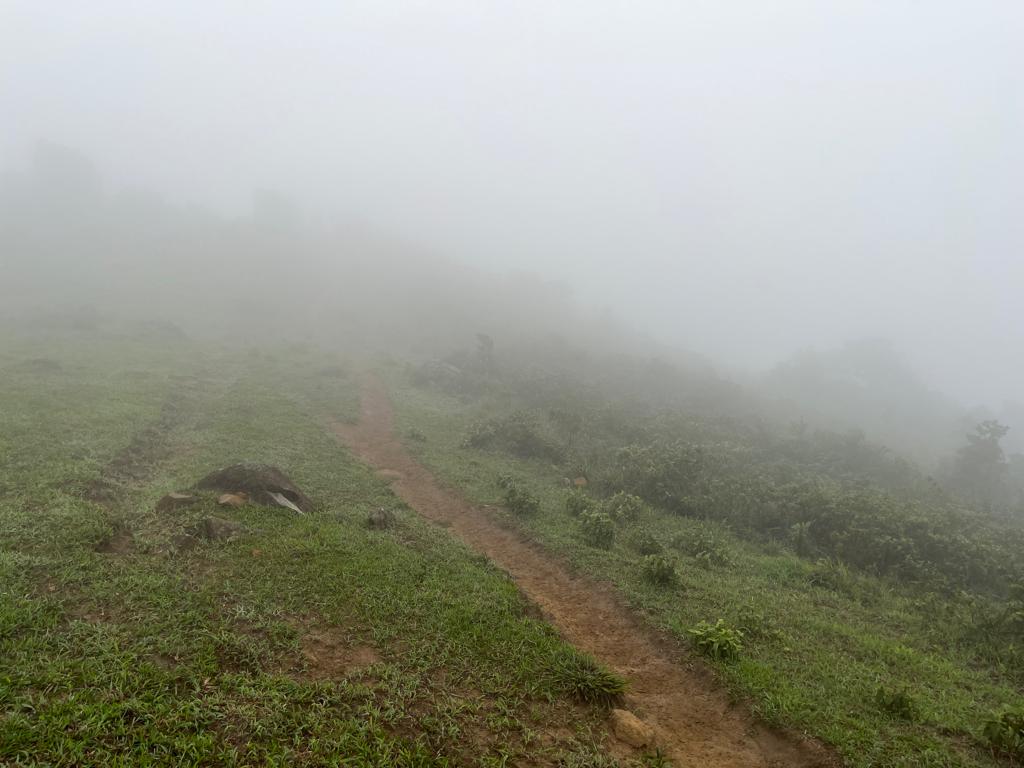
(695, 722)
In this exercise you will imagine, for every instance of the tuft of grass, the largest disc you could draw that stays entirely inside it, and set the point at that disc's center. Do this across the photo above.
(718, 641)
(578, 675)
(598, 529)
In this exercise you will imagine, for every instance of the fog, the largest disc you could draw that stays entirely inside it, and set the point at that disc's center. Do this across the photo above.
(742, 180)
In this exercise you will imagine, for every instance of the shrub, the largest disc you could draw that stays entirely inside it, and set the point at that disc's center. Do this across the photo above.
(718, 641)
(584, 679)
(520, 434)
(598, 529)
(658, 570)
(1006, 733)
(577, 503)
(898, 703)
(643, 542)
(705, 543)
(517, 498)
(623, 506)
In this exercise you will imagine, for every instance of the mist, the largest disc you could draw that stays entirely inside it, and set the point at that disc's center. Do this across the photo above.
(736, 182)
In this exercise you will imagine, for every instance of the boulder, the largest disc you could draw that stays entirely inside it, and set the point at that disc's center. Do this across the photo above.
(630, 729)
(264, 484)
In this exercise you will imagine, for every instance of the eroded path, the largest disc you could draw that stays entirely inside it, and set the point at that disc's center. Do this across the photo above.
(695, 723)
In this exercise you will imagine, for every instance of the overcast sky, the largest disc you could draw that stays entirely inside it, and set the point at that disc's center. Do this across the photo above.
(743, 178)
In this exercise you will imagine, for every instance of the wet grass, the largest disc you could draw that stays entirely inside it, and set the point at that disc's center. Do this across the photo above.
(307, 640)
(818, 643)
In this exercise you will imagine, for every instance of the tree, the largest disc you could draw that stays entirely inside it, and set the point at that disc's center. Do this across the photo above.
(979, 471)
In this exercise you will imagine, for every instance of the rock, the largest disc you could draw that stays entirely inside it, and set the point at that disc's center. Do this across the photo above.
(580, 482)
(233, 499)
(380, 519)
(630, 729)
(264, 484)
(219, 529)
(175, 500)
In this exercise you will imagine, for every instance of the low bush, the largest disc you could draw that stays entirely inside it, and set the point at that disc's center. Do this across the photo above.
(598, 529)
(578, 503)
(643, 542)
(718, 641)
(623, 506)
(520, 433)
(517, 499)
(659, 570)
(1006, 733)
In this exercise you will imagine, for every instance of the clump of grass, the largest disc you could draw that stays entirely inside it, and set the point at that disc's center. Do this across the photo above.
(1006, 733)
(718, 641)
(897, 702)
(658, 570)
(580, 676)
(705, 543)
(598, 529)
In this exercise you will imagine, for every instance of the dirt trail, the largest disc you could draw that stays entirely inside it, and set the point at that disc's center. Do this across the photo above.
(695, 723)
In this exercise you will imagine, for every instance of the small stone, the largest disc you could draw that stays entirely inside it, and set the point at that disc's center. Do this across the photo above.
(630, 729)
(580, 482)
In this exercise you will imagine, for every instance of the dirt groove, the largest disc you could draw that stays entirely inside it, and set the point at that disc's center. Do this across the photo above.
(695, 723)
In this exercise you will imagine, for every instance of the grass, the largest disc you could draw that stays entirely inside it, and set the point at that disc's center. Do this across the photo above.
(818, 641)
(245, 652)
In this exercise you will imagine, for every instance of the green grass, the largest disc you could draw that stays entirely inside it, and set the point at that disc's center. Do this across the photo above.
(241, 653)
(818, 643)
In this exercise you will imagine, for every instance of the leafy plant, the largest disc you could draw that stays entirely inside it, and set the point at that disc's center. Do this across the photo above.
(584, 679)
(578, 503)
(598, 529)
(1006, 732)
(623, 506)
(520, 433)
(643, 542)
(718, 641)
(658, 570)
(517, 498)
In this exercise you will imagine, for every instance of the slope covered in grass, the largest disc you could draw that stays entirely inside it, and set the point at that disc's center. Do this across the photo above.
(303, 640)
(893, 672)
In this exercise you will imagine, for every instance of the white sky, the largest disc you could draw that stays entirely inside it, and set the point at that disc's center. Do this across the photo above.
(744, 178)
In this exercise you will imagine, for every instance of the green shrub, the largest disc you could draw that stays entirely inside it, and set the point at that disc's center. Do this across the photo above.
(520, 433)
(706, 543)
(898, 703)
(719, 641)
(1006, 733)
(658, 570)
(517, 498)
(578, 675)
(623, 506)
(643, 542)
(598, 529)
(578, 503)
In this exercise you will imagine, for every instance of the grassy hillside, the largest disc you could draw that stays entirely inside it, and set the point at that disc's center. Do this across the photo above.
(869, 609)
(300, 640)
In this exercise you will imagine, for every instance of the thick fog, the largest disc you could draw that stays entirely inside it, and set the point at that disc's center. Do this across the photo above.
(746, 180)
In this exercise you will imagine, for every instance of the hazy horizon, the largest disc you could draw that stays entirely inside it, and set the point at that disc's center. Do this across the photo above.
(741, 181)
